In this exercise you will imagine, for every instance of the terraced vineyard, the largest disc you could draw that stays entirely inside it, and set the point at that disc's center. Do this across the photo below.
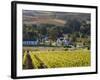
(57, 59)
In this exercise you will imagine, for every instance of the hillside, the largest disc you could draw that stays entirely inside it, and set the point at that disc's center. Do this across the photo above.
(56, 18)
(48, 27)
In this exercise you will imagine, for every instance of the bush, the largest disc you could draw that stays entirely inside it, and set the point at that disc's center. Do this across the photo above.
(67, 46)
(53, 49)
(66, 49)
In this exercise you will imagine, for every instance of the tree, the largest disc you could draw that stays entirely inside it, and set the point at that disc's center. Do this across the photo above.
(53, 32)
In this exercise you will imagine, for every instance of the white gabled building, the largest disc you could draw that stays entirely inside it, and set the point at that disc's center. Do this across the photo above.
(62, 41)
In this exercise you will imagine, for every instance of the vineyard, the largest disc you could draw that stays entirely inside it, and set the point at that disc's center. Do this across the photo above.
(56, 59)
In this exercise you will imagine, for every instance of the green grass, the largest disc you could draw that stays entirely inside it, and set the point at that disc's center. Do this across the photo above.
(24, 57)
(34, 60)
(55, 59)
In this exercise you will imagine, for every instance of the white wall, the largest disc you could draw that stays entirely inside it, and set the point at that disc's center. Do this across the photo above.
(5, 40)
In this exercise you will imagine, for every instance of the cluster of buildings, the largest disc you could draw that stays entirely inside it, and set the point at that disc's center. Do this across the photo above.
(61, 41)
